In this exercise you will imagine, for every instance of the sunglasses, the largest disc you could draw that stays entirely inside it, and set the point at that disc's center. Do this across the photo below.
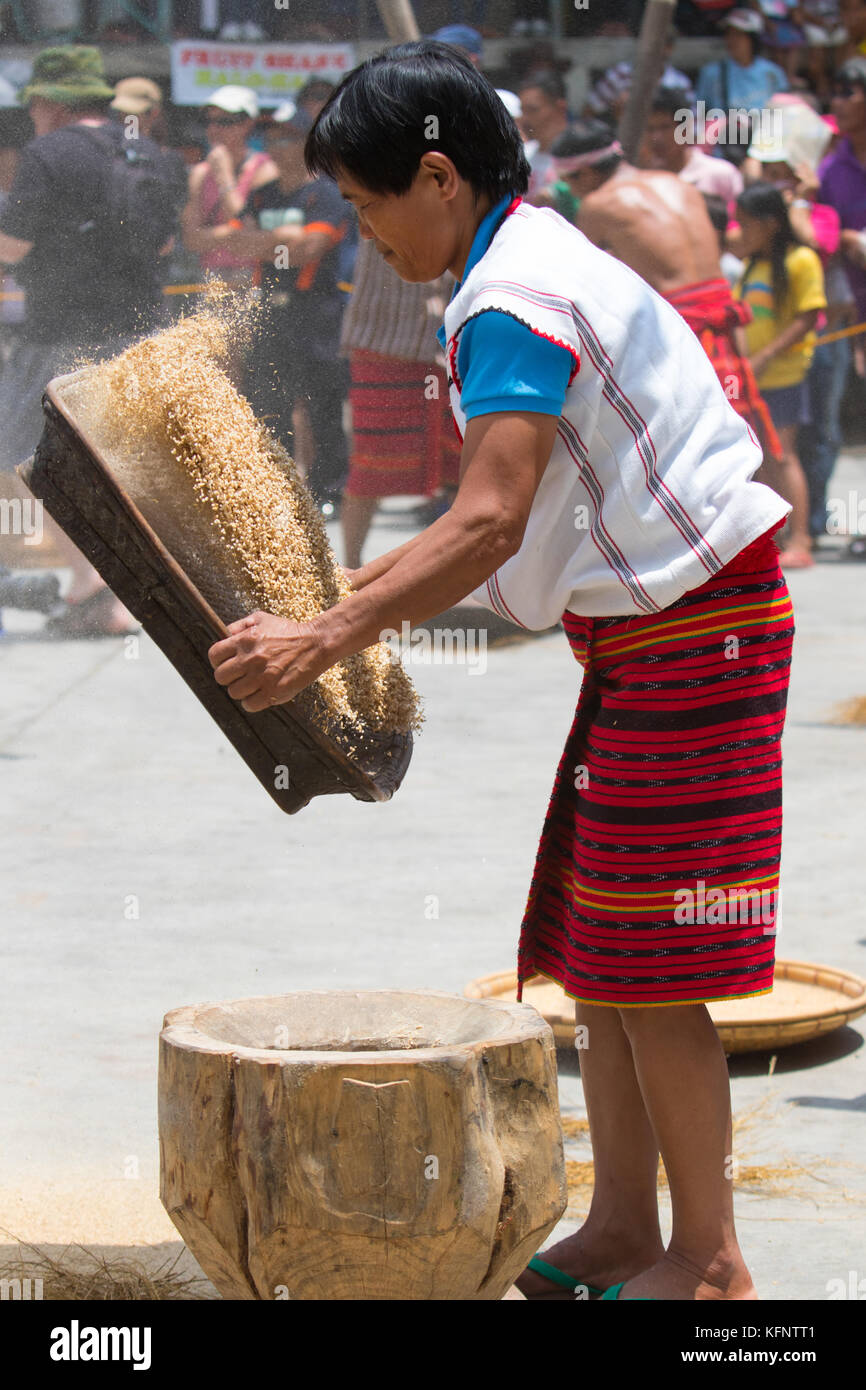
(845, 93)
(225, 120)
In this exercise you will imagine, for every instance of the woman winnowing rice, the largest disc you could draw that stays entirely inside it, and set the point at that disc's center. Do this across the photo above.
(607, 481)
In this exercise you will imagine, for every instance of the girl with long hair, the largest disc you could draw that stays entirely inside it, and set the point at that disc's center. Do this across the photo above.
(783, 285)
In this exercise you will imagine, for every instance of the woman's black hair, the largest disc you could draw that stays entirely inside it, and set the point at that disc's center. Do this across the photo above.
(582, 137)
(404, 103)
(717, 209)
(766, 204)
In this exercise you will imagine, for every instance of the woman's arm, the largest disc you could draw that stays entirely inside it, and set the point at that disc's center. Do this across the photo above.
(800, 215)
(196, 236)
(268, 660)
(220, 164)
(13, 250)
(250, 240)
(302, 245)
(794, 333)
(232, 202)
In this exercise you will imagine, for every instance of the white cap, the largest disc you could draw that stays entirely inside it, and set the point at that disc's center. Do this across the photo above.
(235, 100)
(511, 102)
(798, 135)
(746, 20)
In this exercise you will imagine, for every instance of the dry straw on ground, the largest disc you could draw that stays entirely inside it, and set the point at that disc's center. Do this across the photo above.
(170, 398)
(83, 1275)
(786, 1177)
(852, 712)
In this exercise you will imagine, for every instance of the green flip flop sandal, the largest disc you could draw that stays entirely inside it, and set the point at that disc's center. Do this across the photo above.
(613, 1292)
(557, 1276)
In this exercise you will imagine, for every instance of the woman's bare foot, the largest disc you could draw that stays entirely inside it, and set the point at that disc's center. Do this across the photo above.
(796, 557)
(678, 1277)
(599, 1261)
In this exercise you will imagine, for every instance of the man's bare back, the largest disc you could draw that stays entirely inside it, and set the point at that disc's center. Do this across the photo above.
(655, 223)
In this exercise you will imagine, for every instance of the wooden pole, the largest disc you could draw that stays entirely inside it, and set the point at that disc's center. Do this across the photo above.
(657, 20)
(399, 20)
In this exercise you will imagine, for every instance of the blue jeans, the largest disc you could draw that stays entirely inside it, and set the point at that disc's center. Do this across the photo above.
(819, 442)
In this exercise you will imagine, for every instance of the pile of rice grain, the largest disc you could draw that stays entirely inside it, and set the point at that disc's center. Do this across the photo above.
(172, 391)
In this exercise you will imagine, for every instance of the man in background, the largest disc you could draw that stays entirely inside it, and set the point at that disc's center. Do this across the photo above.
(664, 148)
(86, 222)
(141, 98)
(544, 118)
(659, 225)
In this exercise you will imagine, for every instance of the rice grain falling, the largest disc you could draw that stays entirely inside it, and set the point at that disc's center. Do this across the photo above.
(170, 398)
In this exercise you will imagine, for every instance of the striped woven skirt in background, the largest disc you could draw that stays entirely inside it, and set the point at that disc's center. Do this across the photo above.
(403, 437)
(657, 875)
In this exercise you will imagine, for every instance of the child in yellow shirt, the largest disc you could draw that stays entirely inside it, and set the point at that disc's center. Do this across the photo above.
(783, 284)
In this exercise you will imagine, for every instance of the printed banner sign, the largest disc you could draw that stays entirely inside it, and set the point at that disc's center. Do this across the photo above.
(273, 71)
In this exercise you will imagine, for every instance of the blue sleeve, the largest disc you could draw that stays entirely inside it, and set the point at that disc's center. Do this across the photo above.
(503, 365)
(708, 86)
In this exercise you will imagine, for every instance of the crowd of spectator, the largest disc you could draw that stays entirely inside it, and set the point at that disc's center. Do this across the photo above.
(799, 33)
(231, 198)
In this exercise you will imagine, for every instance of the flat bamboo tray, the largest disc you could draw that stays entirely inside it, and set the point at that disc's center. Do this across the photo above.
(81, 491)
(806, 1002)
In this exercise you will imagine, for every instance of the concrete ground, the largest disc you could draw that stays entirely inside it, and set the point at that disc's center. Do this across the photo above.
(146, 868)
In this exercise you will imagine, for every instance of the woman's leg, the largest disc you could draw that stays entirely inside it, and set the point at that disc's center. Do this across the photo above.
(683, 1079)
(356, 516)
(325, 386)
(620, 1235)
(788, 479)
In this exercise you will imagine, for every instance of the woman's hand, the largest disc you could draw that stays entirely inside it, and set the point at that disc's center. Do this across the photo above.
(760, 363)
(266, 661)
(221, 167)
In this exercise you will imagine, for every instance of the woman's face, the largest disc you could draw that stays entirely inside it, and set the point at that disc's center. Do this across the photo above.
(414, 232)
(740, 46)
(848, 105)
(756, 234)
(224, 128)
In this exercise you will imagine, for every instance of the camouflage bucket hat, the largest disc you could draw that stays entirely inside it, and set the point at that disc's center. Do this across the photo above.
(70, 75)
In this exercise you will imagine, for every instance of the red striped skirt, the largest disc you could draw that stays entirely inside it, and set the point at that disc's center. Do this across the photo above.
(657, 875)
(403, 437)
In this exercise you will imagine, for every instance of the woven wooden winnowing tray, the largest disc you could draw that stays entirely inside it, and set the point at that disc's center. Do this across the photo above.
(133, 538)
